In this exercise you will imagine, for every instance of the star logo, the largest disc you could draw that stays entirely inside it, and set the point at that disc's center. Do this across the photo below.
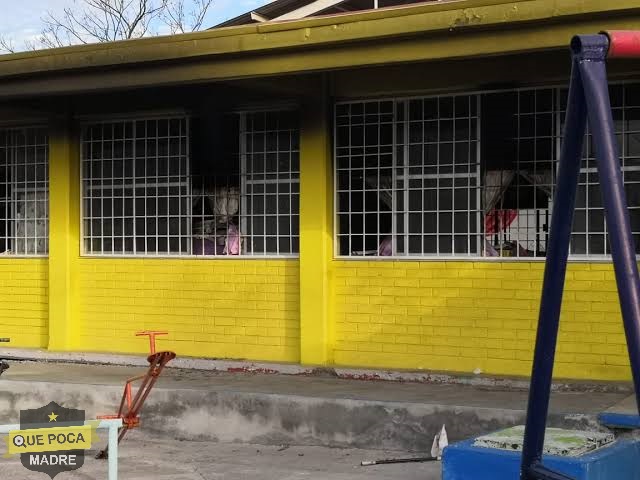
(53, 417)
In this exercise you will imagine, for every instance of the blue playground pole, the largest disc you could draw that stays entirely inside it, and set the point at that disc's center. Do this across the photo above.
(588, 95)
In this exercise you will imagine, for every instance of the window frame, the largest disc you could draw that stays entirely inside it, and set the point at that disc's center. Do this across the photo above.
(243, 131)
(110, 119)
(19, 187)
(477, 257)
(395, 166)
(130, 184)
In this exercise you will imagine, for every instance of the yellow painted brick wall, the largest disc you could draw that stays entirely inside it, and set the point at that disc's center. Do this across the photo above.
(24, 301)
(243, 309)
(459, 316)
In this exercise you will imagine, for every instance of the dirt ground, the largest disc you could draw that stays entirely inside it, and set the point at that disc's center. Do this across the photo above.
(154, 458)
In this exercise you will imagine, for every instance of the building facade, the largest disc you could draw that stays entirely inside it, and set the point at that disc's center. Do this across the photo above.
(371, 189)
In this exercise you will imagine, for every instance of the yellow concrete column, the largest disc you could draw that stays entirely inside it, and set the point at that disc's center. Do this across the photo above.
(64, 231)
(316, 229)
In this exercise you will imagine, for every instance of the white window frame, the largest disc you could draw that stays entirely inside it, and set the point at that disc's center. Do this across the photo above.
(481, 256)
(395, 213)
(245, 185)
(132, 184)
(18, 188)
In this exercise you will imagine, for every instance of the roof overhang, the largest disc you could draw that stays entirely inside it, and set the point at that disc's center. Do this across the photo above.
(447, 29)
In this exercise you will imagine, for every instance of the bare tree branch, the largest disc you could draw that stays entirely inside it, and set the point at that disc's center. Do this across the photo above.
(92, 21)
(7, 45)
(199, 13)
(179, 20)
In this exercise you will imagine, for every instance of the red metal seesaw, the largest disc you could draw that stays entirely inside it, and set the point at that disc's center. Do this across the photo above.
(130, 405)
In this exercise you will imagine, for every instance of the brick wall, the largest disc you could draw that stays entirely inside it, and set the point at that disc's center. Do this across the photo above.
(24, 297)
(212, 308)
(460, 316)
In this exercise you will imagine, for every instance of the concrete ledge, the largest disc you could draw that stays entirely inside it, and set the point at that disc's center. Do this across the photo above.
(291, 409)
(242, 417)
(242, 366)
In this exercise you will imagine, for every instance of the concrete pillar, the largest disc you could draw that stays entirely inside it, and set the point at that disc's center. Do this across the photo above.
(64, 231)
(316, 229)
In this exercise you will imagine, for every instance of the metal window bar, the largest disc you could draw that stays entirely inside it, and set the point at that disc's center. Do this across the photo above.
(24, 191)
(270, 182)
(141, 197)
(539, 122)
(590, 236)
(523, 224)
(135, 187)
(428, 160)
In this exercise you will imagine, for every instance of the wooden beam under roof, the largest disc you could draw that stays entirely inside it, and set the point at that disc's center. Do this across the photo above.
(308, 10)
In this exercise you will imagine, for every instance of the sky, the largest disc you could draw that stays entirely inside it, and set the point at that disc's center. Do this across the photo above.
(20, 20)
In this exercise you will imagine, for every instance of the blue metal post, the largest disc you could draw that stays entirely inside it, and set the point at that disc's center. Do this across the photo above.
(623, 250)
(553, 284)
(588, 94)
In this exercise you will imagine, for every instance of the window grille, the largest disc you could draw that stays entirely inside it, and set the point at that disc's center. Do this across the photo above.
(136, 188)
(270, 188)
(218, 186)
(425, 177)
(521, 146)
(590, 235)
(407, 177)
(24, 191)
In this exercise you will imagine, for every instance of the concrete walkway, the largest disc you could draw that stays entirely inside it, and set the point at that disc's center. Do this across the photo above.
(144, 457)
(294, 409)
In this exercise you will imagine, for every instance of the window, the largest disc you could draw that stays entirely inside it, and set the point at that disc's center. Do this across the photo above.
(432, 177)
(521, 138)
(136, 188)
(24, 191)
(212, 185)
(270, 187)
(590, 237)
(408, 177)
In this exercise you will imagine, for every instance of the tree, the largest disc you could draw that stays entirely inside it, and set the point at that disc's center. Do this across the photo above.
(94, 21)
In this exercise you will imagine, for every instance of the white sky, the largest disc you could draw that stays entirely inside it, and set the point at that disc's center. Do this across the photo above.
(20, 19)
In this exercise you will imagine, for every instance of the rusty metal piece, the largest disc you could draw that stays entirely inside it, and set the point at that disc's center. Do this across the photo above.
(130, 405)
(152, 334)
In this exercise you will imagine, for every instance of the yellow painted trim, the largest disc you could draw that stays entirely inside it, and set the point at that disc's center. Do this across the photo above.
(450, 46)
(316, 229)
(446, 19)
(64, 234)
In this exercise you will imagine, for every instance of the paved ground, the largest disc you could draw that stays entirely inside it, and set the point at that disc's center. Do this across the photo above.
(318, 410)
(155, 458)
(208, 424)
(579, 401)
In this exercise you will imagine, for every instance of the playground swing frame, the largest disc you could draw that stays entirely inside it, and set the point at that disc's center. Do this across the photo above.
(588, 99)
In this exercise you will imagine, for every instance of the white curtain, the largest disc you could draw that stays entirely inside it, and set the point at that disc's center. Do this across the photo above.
(30, 223)
(224, 201)
(496, 183)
